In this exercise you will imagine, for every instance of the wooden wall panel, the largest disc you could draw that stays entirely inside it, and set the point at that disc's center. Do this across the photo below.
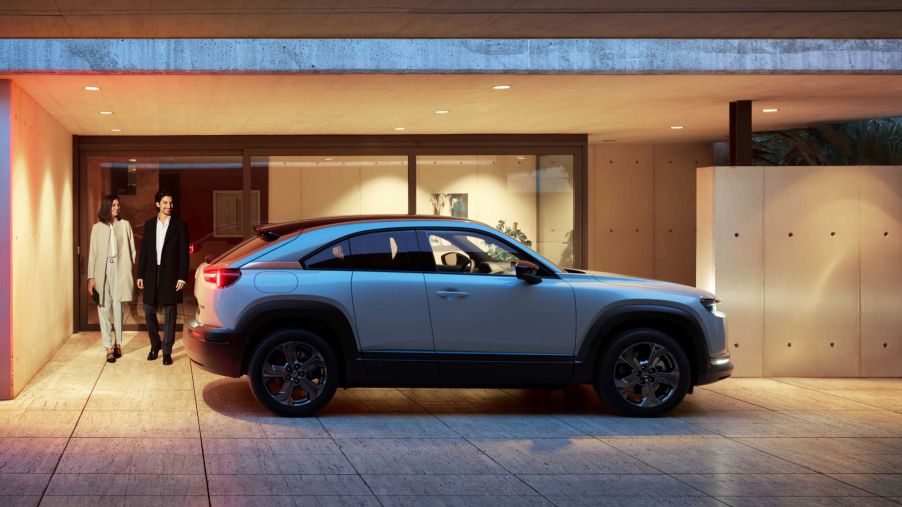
(811, 272)
(881, 271)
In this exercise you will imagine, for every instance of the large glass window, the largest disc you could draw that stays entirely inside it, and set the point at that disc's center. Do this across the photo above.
(528, 197)
(208, 197)
(320, 186)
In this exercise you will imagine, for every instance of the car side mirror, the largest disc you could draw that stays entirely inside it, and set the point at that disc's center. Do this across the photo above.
(528, 272)
(452, 259)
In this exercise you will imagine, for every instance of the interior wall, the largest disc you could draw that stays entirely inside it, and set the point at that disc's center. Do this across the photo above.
(42, 236)
(642, 209)
(806, 261)
(6, 324)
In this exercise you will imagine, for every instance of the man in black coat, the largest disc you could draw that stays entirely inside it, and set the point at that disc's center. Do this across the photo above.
(162, 273)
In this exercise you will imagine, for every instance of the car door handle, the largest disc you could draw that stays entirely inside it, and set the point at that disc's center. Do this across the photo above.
(451, 294)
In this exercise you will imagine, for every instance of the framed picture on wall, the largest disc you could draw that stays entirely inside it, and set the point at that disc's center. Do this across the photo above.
(228, 209)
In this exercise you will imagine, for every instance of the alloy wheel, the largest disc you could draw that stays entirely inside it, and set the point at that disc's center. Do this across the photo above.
(646, 374)
(294, 374)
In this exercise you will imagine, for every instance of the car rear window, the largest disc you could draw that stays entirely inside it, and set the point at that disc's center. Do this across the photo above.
(243, 249)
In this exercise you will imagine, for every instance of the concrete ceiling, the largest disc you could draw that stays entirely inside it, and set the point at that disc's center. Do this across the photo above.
(451, 18)
(621, 108)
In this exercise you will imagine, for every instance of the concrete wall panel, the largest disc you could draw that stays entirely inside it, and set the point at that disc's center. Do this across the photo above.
(6, 322)
(881, 271)
(811, 263)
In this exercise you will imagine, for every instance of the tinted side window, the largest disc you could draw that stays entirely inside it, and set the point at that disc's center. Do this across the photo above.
(331, 257)
(386, 251)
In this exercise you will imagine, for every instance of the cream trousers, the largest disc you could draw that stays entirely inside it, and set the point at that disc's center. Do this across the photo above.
(111, 312)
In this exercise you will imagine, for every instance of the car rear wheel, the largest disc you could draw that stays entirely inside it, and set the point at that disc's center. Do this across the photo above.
(293, 373)
(643, 373)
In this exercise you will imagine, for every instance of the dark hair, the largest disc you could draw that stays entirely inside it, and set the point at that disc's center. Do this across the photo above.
(105, 214)
(161, 194)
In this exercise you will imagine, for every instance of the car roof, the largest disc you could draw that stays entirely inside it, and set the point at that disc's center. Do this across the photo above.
(283, 228)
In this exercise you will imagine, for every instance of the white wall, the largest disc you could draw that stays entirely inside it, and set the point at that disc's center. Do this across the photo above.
(642, 209)
(807, 263)
(41, 234)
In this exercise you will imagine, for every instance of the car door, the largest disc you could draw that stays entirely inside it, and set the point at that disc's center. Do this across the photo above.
(390, 308)
(490, 327)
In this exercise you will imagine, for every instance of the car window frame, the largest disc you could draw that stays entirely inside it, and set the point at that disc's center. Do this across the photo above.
(422, 268)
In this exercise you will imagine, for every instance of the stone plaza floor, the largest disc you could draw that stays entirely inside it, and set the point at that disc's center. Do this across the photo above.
(136, 433)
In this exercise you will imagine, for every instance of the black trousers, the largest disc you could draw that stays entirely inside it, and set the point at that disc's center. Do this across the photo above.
(153, 327)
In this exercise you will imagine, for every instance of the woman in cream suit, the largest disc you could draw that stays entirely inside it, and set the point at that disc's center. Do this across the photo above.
(110, 262)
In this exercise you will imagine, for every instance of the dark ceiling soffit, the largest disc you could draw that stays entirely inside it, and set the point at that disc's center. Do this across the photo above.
(451, 56)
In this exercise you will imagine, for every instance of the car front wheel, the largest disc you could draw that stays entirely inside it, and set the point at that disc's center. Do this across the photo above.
(293, 373)
(643, 373)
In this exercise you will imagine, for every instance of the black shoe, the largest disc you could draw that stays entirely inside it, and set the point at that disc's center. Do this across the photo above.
(117, 351)
(110, 357)
(153, 354)
(167, 359)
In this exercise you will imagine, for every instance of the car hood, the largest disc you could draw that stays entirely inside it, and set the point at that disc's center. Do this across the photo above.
(635, 282)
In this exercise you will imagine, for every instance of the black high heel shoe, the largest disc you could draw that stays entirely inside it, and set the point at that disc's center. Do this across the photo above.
(117, 351)
(110, 357)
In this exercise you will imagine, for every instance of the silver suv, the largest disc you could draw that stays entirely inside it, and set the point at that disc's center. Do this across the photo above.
(308, 306)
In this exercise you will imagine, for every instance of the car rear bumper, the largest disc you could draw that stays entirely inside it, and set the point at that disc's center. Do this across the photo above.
(717, 368)
(214, 349)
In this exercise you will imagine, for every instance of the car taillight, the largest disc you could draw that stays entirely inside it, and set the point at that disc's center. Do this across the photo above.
(221, 277)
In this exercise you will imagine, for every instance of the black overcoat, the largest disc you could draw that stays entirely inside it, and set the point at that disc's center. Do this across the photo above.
(159, 284)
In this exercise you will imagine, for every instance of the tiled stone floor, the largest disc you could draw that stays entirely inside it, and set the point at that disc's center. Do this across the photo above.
(136, 433)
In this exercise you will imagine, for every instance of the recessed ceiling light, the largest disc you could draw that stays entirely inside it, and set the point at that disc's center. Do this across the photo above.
(106, 113)
(399, 129)
(521, 157)
(132, 160)
(327, 159)
(115, 130)
(92, 88)
(676, 127)
(501, 87)
(769, 110)
(442, 111)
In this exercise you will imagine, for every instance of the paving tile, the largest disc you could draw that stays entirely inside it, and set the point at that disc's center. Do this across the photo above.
(832, 455)
(95, 463)
(166, 485)
(878, 484)
(855, 384)
(707, 401)
(439, 485)
(325, 464)
(83, 501)
(808, 501)
(28, 463)
(326, 485)
(608, 485)
(431, 464)
(370, 400)
(895, 443)
(440, 446)
(20, 501)
(23, 484)
(337, 501)
(738, 463)
(386, 426)
(285, 427)
(230, 464)
(610, 425)
(246, 485)
(719, 485)
(88, 484)
(281, 446)
(42, 423)
(857, 423)
(142, 400)
(510, 426)
(794, 398)
(888, 399)
(251, 501)
(764, 424)
(216, 425)
(166, 501)
(166, 464)
(464, 501)
(33, 445)
(561, 456)
(635, 500)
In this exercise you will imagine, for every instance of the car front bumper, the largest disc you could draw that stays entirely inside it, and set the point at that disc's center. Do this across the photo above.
(717, 368)
(214, 349)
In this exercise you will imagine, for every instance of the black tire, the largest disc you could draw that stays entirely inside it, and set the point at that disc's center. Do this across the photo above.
(634, 386)
(293, 373)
